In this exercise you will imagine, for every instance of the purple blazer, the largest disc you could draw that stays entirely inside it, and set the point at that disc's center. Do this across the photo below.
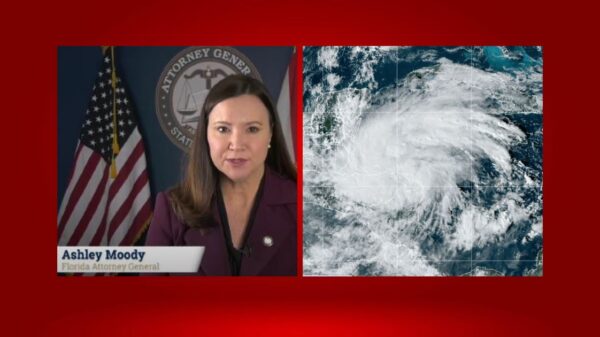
(275, 218)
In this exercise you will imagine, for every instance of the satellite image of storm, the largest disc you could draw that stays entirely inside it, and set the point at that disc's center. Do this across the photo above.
(422, 161)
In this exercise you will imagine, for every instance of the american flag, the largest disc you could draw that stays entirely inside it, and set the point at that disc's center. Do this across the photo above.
(107, 201)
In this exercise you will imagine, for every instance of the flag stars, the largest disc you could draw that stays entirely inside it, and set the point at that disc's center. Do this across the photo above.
(101, 127)
(107, 59)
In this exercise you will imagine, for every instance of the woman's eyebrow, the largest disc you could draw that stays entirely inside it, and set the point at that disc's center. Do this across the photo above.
(247, 123)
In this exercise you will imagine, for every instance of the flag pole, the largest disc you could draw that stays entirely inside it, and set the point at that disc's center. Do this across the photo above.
(115, 144)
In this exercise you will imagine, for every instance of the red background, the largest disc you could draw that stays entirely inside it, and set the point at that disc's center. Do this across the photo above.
(37, 302)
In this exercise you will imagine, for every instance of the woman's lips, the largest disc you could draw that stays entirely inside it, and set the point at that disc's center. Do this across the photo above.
(236, 162)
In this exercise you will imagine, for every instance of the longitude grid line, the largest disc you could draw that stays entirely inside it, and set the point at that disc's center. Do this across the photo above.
(472, 145)
(396, 125)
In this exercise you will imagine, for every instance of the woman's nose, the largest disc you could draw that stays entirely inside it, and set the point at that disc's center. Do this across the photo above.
(236, 141)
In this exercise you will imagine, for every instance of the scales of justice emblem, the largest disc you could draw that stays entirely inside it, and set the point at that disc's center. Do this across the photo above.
(190, 101)
(185, 83)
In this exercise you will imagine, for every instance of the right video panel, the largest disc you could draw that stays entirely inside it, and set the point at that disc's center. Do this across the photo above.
(422, 161)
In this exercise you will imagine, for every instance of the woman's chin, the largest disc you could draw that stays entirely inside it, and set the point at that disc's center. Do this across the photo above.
(240, 174)
(237, 175)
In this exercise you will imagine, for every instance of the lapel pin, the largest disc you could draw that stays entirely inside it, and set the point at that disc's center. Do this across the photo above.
(268, 241)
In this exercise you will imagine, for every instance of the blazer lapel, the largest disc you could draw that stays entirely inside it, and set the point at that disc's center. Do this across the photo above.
(270, 228)
(214, 261)
(266, 238)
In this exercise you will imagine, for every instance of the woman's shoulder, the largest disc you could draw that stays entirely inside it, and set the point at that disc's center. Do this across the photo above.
(165, 229)
(163, 197)
(283, 180)
(279, 188)
(164, 202)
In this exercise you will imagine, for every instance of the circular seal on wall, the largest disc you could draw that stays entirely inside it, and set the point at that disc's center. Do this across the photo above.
(185, 83)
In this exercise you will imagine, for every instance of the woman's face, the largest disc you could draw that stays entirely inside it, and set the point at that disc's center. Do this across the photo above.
(238, 136)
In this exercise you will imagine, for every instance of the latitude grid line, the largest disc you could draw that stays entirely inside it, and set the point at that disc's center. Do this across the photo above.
(438, 187)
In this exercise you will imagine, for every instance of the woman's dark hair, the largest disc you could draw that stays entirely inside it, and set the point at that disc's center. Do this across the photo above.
(192, 198)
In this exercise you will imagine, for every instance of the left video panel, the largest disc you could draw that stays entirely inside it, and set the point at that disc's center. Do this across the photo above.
(177, 160)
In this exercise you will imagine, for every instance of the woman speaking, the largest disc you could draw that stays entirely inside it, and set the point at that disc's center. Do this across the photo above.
(238, 196)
